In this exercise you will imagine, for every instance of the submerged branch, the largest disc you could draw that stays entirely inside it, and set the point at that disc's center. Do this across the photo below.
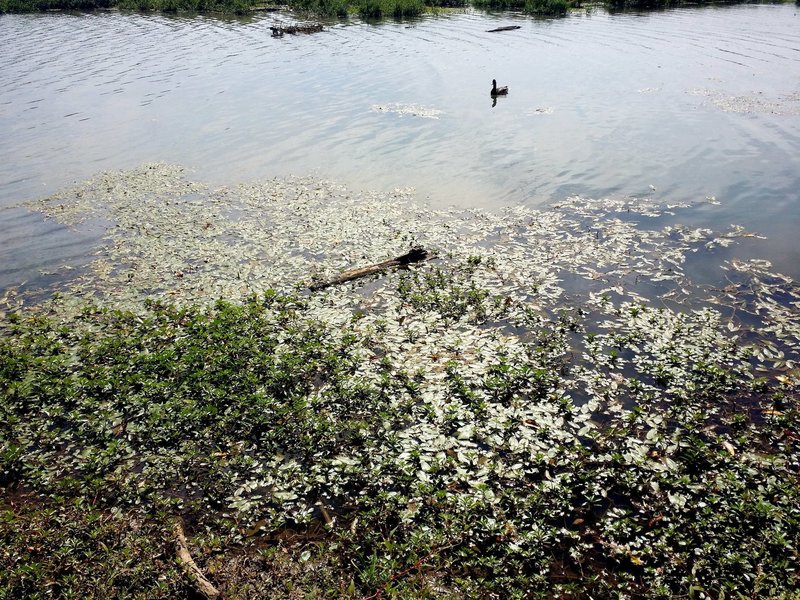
(506, 28)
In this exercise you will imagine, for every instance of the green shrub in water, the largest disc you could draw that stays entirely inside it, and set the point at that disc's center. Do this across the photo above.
(546, 7)
(326, 8)
(390, 8)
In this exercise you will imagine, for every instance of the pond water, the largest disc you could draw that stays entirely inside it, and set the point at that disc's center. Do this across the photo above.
(677, 106)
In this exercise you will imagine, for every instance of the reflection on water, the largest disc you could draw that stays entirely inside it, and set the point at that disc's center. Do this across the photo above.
(694, 103)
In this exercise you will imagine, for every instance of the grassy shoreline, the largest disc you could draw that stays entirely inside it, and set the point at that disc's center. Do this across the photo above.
(466, 427)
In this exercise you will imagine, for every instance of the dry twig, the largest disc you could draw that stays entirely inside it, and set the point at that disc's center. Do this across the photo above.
(204, 586)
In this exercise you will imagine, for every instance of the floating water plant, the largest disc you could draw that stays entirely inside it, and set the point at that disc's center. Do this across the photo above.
(408, 109)
(551, 406)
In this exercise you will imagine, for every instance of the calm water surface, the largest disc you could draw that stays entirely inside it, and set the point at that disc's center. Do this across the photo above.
(600, 105)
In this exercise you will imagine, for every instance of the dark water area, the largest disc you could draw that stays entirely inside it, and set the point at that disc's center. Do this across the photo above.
(676, 106)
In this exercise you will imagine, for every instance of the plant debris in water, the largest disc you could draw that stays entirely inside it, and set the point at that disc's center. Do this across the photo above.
(755, 103)
(414, 110)
(552, 407)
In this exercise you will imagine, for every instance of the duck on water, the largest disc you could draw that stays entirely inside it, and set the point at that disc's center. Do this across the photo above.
(498, 91)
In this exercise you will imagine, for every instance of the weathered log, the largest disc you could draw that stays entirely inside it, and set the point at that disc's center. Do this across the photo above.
(203, 585)
(412, 256)
(506, 28)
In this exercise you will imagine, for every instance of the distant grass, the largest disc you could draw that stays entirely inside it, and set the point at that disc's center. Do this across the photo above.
(42, 5)
(450, 3)
(546, 7)
(531, 7)
(203, 6)
(377, 9)
(322, 8)
(368, 9)
(371, 9)
(167, 6)
(662, 4)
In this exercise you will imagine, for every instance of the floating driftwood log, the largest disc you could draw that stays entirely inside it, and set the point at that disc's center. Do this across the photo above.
(506, 28)
(412, 256)
(279, 29)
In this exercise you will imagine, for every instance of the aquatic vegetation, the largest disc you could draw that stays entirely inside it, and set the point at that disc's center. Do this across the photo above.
(133, 553)
(546, 7)
(377, 9)
(531, 7)
(325, 8)
(551, 406)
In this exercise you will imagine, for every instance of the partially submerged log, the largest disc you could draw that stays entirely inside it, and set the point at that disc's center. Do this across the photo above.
(203, 586)
(279, 29)
(412, 256)
(506, 28)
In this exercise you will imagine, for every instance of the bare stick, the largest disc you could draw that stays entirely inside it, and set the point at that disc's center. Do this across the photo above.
(204, 586)
(325, 514)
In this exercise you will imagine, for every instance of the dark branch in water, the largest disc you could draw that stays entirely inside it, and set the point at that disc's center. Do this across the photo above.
(412, 256)
(506, 28)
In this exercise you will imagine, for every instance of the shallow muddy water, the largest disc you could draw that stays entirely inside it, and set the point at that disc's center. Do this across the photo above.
(676, 106)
